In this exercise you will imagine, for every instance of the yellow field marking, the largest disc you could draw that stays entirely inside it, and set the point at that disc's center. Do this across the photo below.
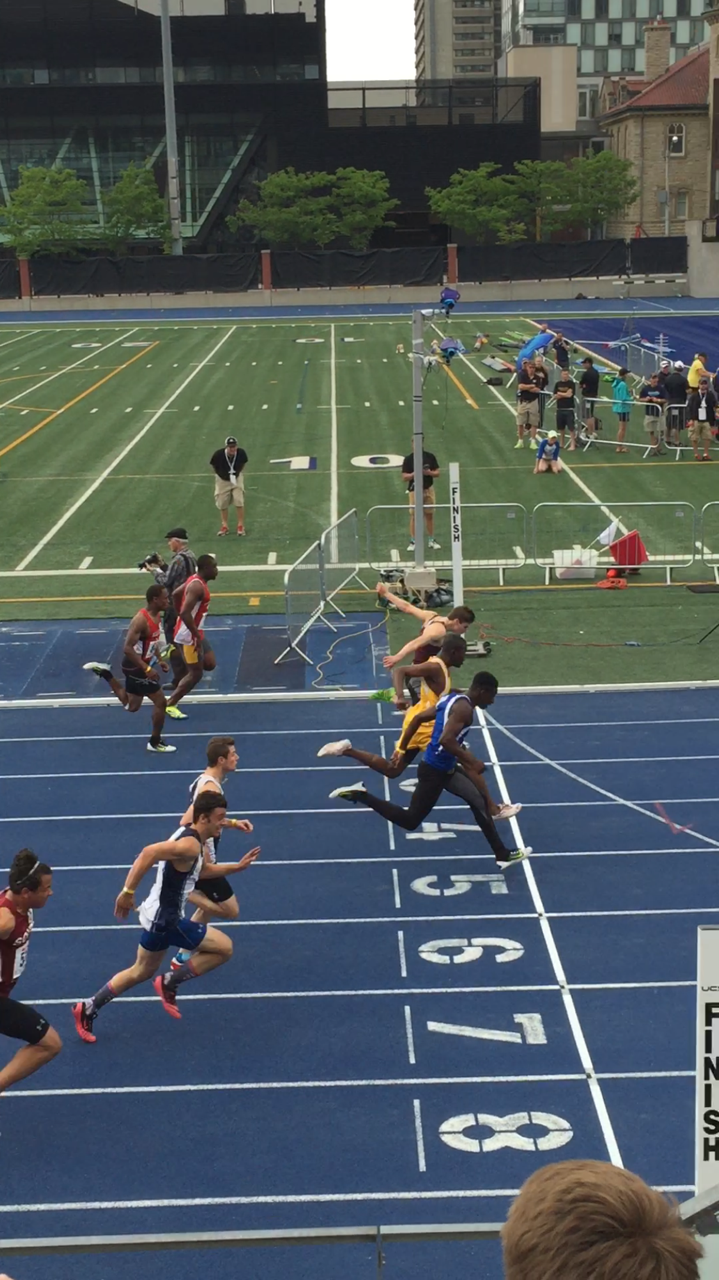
(254, 600)
(462, 388)
(77, 399)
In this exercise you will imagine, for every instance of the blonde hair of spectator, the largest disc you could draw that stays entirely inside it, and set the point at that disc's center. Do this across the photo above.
(586, 1220)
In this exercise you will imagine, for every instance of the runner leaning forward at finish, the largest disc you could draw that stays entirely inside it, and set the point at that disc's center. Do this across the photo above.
(434, 628)
(453, 717)
(435, 683)
(140, 659)
(191, 601)
(29, 887)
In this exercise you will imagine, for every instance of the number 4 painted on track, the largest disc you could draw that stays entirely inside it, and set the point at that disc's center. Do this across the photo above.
(532, 1031)
(461, 883)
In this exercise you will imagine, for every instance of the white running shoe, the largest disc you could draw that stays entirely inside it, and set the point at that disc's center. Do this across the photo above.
(507, 811)
(516, 855)
(100, 668)
(335, 748)
(349, 793)
(160, 747)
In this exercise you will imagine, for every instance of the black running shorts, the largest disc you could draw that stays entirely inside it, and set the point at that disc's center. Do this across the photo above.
(21, 1021)
(217, 888)
(135, 684)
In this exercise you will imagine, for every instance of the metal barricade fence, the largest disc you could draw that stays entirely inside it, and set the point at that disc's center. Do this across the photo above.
(304, 599)
(339, 552)
(494, 537)
(708, 536)
(640, 360)
(640, 432)
(572, 538)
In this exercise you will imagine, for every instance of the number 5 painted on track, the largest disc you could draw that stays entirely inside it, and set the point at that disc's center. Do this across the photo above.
(461, 883)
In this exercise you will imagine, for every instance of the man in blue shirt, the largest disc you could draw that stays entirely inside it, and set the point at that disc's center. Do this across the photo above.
(453, 718)
(654, 395)
(548, 454)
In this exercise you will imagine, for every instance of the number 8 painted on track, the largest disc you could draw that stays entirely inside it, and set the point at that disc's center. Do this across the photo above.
(506, 1132)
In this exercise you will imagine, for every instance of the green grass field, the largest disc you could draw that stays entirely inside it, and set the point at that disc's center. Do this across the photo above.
(104, 444)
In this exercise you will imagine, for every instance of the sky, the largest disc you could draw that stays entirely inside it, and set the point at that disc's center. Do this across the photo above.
(372, 40)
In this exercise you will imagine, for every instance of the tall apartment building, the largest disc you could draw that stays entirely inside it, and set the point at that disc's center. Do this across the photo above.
(609, 34)
(456, 38)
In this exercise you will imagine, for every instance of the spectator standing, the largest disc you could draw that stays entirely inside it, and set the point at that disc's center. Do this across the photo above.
(701, 414)
(228, 465)
(560, 347)
(654, 397)
(677, 389)
(548, 454)
(665, 368)
(621, 406)
(541, 376)
(528, 392)
(564, 394)
(697, 370)
(181, 567)
(430, 471)
(589, 386)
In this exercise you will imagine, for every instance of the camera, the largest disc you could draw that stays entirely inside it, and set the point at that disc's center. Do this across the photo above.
(151, 561)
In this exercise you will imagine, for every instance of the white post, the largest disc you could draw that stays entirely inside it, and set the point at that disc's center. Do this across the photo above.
(418, 435)
(455, 515)
(707, 1081)
(173, 165)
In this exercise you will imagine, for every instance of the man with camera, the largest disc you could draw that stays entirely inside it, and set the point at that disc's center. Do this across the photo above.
(181, 567)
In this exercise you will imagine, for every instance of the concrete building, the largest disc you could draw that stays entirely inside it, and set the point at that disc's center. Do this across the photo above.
(565, 131)
(455, 39)
(664, 129)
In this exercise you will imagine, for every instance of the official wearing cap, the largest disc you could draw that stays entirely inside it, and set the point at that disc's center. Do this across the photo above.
(181, 567)
(228, 465)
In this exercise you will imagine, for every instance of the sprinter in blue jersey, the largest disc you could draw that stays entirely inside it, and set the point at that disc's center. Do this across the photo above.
(453, 717)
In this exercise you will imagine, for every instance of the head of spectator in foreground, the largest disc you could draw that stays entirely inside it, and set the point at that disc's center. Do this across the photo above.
(231, 446)
(679, 366)
(177, 539)
(552, 436)
(654, 379)
(586, 1220)
(703, 384)
(588, 362)
(622, 373)
(460, 619)
(665, 366)
(564, 374)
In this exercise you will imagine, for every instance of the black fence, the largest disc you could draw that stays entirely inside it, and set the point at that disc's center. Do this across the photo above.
(191, 273)
(339, 268)
(577, 260)
(9, 278)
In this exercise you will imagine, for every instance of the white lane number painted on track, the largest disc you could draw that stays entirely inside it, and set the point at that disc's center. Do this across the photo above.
(506, 1132)
(461, 883)
(469, 949)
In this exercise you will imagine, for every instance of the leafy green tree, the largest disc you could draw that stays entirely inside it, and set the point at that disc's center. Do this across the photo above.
(602, 185)
(134, 207)
(292, 210)
(542, 193)
(361, 202)
(47, 212)
(480, 202)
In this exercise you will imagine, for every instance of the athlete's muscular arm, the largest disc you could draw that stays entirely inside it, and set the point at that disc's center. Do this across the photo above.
(137, 630)
(213, 870)
(166, 851)
(7, 922)
(431, 672)
(193, 596)
(459, 717)
(403, 605)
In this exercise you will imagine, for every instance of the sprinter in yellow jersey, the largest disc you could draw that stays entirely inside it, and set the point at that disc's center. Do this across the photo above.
(436, 682)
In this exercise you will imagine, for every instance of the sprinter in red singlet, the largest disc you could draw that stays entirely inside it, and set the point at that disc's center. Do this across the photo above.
(140, 662)
(30, 886)
(191, 602)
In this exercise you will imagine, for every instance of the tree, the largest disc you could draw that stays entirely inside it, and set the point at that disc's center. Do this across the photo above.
(361, 202)
(47, 212)
(602, 186)
(542, 192)
(134, 207)
(292, 209)
(480, 202)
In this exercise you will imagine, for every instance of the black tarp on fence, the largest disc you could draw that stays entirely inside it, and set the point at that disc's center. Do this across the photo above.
(341, 268)
(191, 273)
(9, 278)
(658, 255)
(574, 260)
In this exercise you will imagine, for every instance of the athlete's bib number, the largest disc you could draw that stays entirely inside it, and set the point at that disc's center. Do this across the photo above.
(20, 961)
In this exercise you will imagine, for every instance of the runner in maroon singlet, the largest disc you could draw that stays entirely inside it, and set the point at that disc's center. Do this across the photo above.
(140, 660)
(30, 886)
(429, 642)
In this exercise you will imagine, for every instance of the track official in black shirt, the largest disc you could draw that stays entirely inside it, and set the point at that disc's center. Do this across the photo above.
(589, 386)
(430, 471)
(228, 465)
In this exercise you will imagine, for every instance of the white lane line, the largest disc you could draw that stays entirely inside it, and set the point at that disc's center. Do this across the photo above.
(334, 487)
(272, 557)
(595, 1089)
(390, 828)
(419, 1135)
(409, 1034)
(395, 885)
(85, 564)
(30, 333)
(116, 462)
(91, 355)
(402, 954)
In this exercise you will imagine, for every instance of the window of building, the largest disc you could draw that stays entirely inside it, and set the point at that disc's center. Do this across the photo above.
(472, 68)
(675, 139)
(587, 34)
(548, 35)
(683, 7)
(696, 31)
(615, 33)
(655, 8)
(600, 60)
(628, 59)
(602, 8)
(681, 207)
(574, 8)
(629, 10)
(588, 104)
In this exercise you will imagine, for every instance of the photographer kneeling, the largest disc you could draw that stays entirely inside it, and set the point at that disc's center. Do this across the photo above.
(181, 567)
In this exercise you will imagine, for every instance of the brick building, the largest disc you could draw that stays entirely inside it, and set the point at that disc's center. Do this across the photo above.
(662, 125)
